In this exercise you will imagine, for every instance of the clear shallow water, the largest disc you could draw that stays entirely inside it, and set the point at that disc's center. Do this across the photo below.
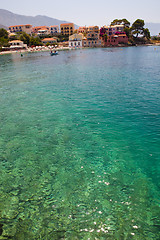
(79, 145)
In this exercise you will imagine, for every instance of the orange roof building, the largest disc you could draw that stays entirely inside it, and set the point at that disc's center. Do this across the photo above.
(36, 29)
(49, 40)
(27, 28)
(82, 30)
(67, 28)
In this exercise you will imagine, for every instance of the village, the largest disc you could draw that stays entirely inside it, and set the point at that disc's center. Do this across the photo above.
(118, 33)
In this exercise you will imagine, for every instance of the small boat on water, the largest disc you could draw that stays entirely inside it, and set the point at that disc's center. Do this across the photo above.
(54, 53)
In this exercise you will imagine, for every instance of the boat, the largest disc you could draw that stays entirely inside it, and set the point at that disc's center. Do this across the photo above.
(54, 53)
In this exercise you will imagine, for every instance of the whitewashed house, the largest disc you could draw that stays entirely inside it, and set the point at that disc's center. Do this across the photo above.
(75, 40)
(17, 44)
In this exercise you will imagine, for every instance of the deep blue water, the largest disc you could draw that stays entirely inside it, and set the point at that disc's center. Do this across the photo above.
(80, 144)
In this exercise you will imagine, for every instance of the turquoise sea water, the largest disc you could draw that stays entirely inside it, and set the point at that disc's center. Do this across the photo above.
(80, 145)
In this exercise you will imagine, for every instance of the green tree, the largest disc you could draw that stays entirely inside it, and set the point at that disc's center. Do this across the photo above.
(62, 38)
(4, 42)
(3, 33)
(123, 21)
(4, 38)
(147, 33)
(35, 41)
(137, 28)
(25, 38)
(116, 22)
(127, 30)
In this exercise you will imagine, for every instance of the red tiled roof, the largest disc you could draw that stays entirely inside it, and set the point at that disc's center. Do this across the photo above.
(49, 39)
(43, 28)
(21, 25)
(39, 27)
(67, 24)
(17, 26)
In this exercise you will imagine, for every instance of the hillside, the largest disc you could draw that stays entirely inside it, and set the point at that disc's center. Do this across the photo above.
(2, 26)
(8, 18)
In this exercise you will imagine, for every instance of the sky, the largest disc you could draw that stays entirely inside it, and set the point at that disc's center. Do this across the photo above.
(87, 12)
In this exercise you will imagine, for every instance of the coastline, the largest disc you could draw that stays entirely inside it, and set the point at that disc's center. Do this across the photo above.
(47, 49)
(33, 50)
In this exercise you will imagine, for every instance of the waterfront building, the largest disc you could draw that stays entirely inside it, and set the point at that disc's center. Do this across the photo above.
(49, 40)
(92, 29)
(41, 30)
(17, 44)
(92, 40)
(112, 29)
(92, 43)
(116, 39)
(76, 40)
(54, 29)
(82, 30)
(27, 28)
(92, 36)
(67, 28)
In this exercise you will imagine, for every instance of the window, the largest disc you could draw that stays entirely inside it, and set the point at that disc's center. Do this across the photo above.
(79, 43)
